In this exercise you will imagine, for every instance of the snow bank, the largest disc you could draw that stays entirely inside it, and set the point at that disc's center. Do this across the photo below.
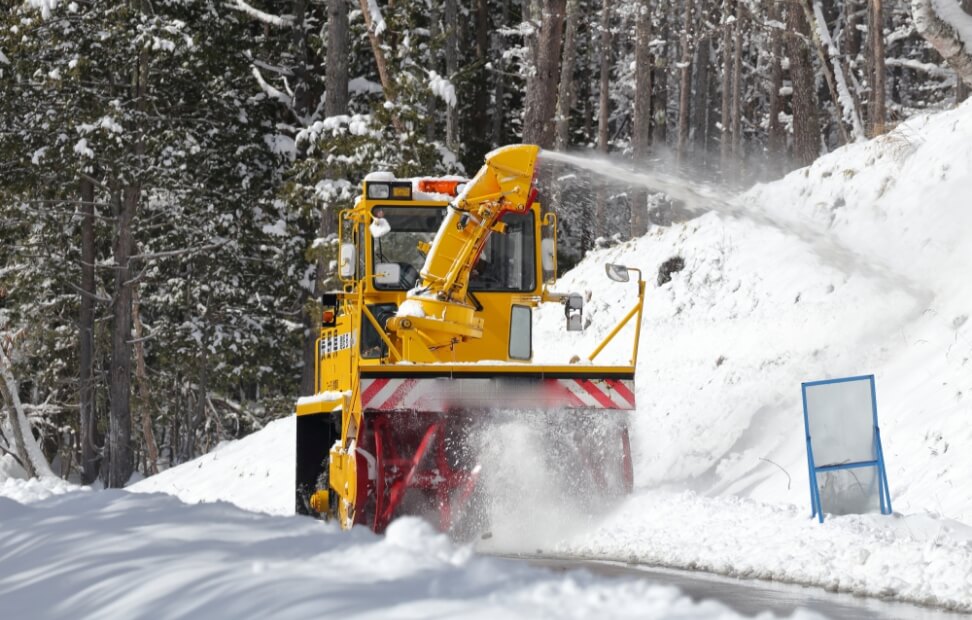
(26, 491)
(913, 558)
(123, 555)
(255, 473)
(856, 264)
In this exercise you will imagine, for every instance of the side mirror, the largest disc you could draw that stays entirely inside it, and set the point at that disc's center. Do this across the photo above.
(618, 273)
(388, 274)
(347, 259)
(574, 310)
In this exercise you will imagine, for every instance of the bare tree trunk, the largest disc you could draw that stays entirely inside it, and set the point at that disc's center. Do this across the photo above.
(641, 129)
(121, 462)
(875, 31)
(540, 99)
(806, 125)
(303, 97)
(659, 105)
(565, 90)
(725, 141)
(604, 87)
(336, 90)
(432, 100)
(685, 80)
(452, 70)
(589, 133)
(478, 130)
(144, 393)
(199, 411)
(499, 88)
(387, 82)
(851, 39)
(641, 132)
(700, 95)
(89, 450)
(603, 115)
(739, 26)
(776, 138)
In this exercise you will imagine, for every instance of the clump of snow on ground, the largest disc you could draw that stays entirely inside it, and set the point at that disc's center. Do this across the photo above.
(123, 555)
(26, 491)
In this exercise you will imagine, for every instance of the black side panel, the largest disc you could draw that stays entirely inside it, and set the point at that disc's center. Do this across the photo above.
(316, 434)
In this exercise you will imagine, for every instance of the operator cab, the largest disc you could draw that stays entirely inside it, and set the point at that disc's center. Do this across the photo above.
(402, 231)
(387, 236)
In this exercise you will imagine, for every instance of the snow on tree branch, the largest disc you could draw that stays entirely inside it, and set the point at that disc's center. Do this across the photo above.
(931, 69)
(44, 6)
(442, 88)
(948, 28)
(847, 104)
(270, 91)
(376, 17)
(284, 21)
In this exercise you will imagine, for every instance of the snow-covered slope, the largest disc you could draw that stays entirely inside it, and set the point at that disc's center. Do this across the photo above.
(858, 264)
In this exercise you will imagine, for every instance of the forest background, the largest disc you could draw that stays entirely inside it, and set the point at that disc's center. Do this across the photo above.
(171, 170)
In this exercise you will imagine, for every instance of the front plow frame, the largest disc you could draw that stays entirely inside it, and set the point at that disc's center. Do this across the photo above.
(395, 433)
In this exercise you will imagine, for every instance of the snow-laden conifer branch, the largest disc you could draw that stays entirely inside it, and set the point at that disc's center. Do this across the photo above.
(282, 21)
(931, 69)
(377, 20)
(270, 91)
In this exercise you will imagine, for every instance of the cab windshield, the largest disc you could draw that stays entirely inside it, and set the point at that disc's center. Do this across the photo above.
(408, 227)
(506, 263)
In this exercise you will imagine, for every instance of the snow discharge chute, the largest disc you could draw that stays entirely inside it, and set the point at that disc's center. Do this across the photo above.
(430, 339)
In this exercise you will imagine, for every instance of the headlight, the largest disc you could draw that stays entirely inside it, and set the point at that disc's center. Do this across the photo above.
(378, 191)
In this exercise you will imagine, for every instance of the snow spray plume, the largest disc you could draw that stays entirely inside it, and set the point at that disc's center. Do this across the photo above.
(543, 477)
(699, 198)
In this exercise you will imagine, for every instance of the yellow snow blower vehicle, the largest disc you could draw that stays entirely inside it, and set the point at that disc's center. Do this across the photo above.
(431, 334)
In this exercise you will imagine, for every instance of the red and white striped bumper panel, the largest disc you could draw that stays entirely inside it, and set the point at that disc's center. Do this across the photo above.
(443, 394)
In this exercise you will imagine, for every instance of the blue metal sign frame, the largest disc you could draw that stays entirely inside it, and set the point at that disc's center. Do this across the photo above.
(883, 492)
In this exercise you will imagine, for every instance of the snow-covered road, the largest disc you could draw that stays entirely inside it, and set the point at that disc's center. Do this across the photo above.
(114, 554)
(751, 597)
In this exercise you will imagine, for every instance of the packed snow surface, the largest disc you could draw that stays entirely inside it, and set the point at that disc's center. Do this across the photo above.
(122, 555)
